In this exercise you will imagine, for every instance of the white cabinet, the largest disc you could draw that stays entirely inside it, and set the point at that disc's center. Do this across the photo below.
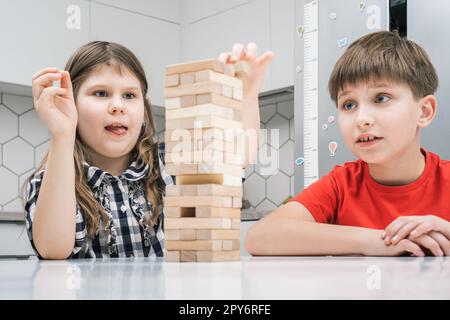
(156, 43)
(36, 34)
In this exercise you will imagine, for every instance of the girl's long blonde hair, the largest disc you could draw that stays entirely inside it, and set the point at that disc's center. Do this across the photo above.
(80, 65)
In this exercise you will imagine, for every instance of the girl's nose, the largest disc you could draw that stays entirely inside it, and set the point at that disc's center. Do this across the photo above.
(116, 108)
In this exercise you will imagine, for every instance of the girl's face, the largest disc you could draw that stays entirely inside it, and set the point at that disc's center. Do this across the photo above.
(110, 111)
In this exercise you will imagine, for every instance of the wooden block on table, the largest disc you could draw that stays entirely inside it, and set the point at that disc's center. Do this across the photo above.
(208, 134)
(198, 223)
(227, 91)
(212, 256)
(235, 223)
(218, 190)
(203, 122)
(241, 68)
(188, 256)
(172, 256)
(210, 212)
(193, 88)
(228, 245)
(180, 102)
(194, 66)
(194, 245)
(196, 201)
(172, 80)
(219, 100)
(237, 202)
(210, 178)
(185, 190)
(210, 75)
(199, 156)
(185, 145)
(186, 78)
(180, 234)
(200, 110)
(219, 234)
(238, 94)
(220, 168)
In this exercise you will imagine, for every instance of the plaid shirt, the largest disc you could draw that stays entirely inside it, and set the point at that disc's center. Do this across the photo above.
(125, 203)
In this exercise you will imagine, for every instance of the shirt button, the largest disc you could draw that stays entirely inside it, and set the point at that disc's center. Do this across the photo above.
(123, 208)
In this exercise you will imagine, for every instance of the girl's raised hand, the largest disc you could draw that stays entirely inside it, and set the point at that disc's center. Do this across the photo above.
(55, 106)
(252, 81)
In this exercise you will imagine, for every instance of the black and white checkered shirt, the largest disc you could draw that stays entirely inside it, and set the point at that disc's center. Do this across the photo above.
(125, 203)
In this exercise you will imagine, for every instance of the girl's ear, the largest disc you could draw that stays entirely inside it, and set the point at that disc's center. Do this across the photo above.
(427, 110)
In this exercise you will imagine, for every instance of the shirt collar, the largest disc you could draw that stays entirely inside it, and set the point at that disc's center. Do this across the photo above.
(95, 176)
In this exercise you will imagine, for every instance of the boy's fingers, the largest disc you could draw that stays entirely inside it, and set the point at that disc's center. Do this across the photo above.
(443, 242)
(404, 231)
(43, 71)
(238, 51)
(392, 229)
(411, 247)
(427, 242)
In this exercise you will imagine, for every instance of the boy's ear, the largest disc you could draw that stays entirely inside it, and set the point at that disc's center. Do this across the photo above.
(427, 110)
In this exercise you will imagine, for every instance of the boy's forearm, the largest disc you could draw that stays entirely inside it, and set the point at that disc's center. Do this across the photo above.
(55, 219)
(250, 121)
(297, 237)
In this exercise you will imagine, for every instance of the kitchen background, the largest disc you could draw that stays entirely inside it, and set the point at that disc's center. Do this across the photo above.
(162, 32)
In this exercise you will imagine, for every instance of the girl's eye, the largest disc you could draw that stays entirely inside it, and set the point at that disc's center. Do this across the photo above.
(100, 93)
(129, 95)
(349, 105)
(382, 98)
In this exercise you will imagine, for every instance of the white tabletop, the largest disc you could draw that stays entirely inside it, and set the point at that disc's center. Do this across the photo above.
(250, 278)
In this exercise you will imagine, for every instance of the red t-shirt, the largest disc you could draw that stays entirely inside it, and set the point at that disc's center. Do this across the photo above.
(349, 196)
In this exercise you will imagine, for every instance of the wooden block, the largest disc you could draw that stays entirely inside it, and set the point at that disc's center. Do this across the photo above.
(203, 122)
(228, 245)
(196, 201)
(224, 179)
(195, 157)
(196, 66)
(238, 94)
(209, 75)
(210, 212)
(200, 110)
(233, 158)
(215, 256)
(181, 169)
(186, 190)
(223, 168)
(180, 234)
(237, 202)
(188, 256)
(171, 256)
(185, 145)
(172, 80)
(194, 245)
(227, 91)
(235, 223)
(186, 78)
(180, 102)
(177, 212)
(222, 234)
(229, 70)
(218, 99)
(241, 68)
(218, 190)
(198, 223)
(193, 88)
(209, 134)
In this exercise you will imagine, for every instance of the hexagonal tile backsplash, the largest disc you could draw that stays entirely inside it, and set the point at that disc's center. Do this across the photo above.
(24, 140)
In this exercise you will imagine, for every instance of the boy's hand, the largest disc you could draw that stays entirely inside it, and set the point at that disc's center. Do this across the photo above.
(252, 82)
(429, 231)
(373, 245)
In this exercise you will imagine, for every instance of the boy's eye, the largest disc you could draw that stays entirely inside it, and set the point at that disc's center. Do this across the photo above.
(382, 98)
(129, 95)
(349, 105)
(100, 93)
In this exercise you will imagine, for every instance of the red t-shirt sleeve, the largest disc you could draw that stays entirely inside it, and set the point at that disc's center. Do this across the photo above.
(321, 199)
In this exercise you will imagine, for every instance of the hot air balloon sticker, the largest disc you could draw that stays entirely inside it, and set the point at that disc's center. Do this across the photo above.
(332, 146)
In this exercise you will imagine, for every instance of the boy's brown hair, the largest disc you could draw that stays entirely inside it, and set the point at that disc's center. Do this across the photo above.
(384, 55)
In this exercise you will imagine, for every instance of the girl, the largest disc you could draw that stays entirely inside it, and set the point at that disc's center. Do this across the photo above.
(98, 191)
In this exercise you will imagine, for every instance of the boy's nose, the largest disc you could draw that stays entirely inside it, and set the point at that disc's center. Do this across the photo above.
(364, 118)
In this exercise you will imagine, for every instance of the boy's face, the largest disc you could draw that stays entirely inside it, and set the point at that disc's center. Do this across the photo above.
(382, 110)
(107, 99)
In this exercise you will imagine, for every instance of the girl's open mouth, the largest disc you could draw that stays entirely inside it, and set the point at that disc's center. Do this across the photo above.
(118, 131)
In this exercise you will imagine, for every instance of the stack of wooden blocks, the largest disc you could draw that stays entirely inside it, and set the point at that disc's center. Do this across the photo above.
(203, 113)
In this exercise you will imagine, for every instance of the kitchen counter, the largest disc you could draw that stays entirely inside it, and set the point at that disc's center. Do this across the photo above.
(250, 278)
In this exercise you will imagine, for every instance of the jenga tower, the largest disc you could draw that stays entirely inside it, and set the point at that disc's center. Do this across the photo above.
(203, 113)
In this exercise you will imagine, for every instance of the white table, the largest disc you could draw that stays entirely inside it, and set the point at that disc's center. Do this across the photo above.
(250, 278)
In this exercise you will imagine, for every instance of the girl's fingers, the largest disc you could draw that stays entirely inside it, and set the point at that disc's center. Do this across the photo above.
(43, 71)
(443, 242)
(266, 57)
(43, 82)
(411, 247)
(66, 82)
(238, 51)
(223, 57)
(403, 232)
(427, 242)
(49, 93)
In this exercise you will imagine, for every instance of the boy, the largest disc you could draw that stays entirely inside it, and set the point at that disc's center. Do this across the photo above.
(395, 199)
